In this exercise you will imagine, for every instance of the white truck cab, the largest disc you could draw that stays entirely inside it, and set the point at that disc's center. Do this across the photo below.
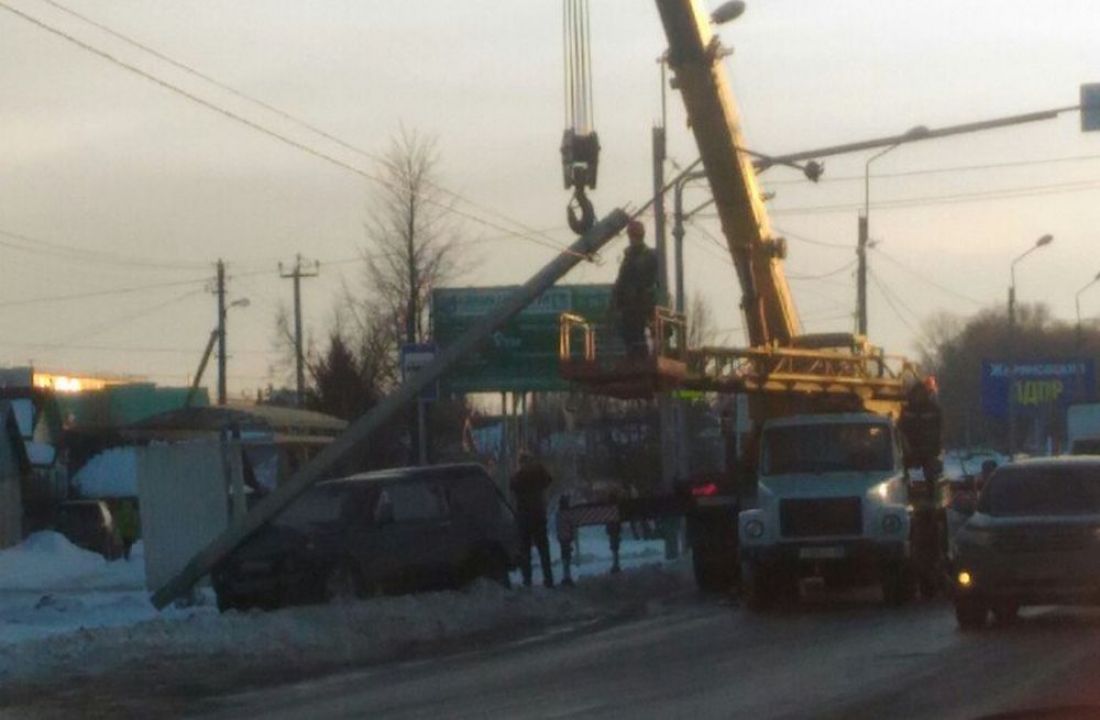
(832, 500)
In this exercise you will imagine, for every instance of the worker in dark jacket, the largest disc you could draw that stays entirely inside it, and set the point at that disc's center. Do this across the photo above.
(529, 486)
(921, 424)
(635, 293)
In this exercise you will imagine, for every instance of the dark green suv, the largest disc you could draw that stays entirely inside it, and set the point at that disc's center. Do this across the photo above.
(1033, 539)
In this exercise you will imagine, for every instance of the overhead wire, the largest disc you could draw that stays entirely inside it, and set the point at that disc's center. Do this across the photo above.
(37, 246)
(115, 322)
(948, 199)
(940, 170)
(928, 281)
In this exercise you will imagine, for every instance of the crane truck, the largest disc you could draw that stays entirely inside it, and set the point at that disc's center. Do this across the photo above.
(832, 495)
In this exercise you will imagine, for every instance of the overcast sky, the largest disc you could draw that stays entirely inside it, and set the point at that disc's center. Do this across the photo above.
(151, 188)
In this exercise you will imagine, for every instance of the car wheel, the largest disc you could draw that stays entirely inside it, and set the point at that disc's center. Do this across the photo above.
(898, 584)
(758, 587)
(970, 613)
(343, 583)
(227, 602)
(1005, 612)
(491, 564)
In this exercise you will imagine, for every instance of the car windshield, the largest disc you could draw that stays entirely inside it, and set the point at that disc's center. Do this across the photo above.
(1042, 491)
(827, 447)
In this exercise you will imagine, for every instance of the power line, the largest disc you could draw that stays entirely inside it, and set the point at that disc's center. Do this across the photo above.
(38, 246)
(812, 241)
(99, 293)
(277, 135)
(846, 266)
(941, 170)
(954, 198)
(116, 322)
(884, 255)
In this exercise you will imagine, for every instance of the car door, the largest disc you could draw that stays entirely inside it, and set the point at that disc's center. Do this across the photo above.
(412, 526)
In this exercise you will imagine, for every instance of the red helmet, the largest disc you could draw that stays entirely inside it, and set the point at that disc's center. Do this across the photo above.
(635, 229)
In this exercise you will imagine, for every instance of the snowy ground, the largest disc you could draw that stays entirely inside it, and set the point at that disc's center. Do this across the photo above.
(65, 612)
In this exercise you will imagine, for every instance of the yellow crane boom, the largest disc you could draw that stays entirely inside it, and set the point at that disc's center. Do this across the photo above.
(695, 57)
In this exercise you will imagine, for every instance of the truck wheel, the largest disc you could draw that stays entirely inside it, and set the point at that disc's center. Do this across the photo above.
(713, 574)
(898, 586)
(970, 613)
(758, 587)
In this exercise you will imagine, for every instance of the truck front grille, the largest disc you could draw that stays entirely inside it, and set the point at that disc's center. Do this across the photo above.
(821, 516)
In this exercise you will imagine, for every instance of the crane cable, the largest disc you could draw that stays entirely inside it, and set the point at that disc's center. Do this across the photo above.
(580, 146)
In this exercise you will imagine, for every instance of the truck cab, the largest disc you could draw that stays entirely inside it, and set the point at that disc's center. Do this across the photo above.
(832, 500)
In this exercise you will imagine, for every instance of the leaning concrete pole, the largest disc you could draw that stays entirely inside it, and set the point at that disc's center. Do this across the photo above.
(322, 465)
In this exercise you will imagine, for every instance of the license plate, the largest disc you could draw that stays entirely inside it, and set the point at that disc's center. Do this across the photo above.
(820, 553)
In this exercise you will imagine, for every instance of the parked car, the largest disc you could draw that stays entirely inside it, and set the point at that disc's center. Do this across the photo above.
(1033, 538)
(89, 524)
(386, 532)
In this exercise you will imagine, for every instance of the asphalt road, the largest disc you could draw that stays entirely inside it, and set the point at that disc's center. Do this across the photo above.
(828, 658)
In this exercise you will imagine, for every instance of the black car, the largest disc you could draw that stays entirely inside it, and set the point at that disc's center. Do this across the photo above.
(1033, 539)
(386, 532)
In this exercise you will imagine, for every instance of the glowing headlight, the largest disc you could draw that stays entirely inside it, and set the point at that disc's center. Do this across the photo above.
(891, 524)
(754, 528)
(964, 579)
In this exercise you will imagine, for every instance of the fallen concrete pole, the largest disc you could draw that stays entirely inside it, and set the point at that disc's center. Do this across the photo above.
(320, 467)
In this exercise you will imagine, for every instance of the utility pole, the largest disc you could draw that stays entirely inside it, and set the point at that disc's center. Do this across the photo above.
(220, 291)
(666, 408)
(861, 278)
(296, 274)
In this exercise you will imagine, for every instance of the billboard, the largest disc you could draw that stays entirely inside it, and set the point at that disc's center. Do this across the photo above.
(522, 356)
(1038, 387)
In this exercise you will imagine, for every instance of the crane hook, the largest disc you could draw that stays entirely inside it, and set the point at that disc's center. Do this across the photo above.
(582, 223)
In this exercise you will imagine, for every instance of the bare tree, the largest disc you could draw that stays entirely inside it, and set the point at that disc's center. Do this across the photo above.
(701, 329)
(412, 236)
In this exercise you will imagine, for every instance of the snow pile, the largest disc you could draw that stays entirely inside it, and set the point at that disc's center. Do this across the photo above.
(331, 635)
(48, 561)
(110, 474)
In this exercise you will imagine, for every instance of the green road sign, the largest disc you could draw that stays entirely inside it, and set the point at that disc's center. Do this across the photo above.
(523, 355)
(1090, 107)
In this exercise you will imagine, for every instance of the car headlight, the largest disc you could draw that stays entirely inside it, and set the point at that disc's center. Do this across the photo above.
(754, 528)
(891, 524)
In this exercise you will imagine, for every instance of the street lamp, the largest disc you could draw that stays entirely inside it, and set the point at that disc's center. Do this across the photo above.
(1077, 303)
(1041, 242)
(727, 11)
(914, 133)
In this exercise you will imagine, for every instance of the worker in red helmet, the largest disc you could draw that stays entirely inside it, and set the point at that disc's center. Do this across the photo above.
(635, 293)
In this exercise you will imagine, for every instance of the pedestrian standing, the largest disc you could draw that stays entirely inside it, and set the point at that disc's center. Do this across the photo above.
(529, 486)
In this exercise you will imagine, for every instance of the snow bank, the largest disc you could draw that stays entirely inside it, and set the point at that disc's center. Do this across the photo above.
(48, 561)
(110, 474)
(330, 635)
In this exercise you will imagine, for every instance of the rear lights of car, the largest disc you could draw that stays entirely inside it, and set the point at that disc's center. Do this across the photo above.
(707, 490)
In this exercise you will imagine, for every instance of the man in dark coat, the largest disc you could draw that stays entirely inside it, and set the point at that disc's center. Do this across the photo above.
(635, 293)
(529, 486)
(921, 424)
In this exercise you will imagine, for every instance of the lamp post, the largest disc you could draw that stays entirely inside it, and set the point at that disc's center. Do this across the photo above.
(1077, 303)
(914, 133)
(1041, 242)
